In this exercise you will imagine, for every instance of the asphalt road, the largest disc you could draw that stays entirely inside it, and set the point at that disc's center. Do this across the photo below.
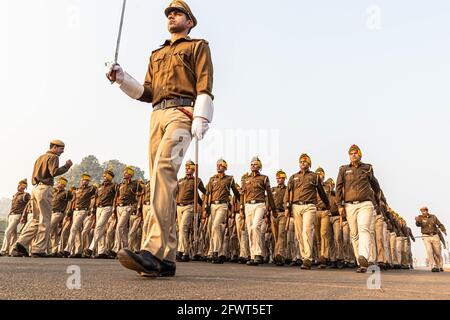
(32, 278)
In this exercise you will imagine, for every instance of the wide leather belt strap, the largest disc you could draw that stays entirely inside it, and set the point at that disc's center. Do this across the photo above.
(173, 103)
(254, 202)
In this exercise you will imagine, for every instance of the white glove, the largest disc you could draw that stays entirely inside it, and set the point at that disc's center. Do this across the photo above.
(199, 127)
(203, 114)
(127, 83)
(110, 67)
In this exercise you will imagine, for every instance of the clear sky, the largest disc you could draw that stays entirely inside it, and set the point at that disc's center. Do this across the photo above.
(290, 77)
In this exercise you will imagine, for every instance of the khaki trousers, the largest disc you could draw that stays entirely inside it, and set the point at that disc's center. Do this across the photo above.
(349, 255)
(407, 251)
(134, 241)
(254, 216)
(323, 223)
(379, 237)
(393, 247)
(185, 215)
(110, 232)
(279, 234)
(387, 244)
(87, 233)
(74, 244)
(359, 217)
(57, 217)
(399, 250)
(37, 232)
(242, 235)
(102, 217)
(145, 222)
(217, 220)
(170, 136)
(433, 249)
(304, 218)
(292, 246)
(10, 233)
(123, 221)
(373, 242)
(338, 248)
(65, 233)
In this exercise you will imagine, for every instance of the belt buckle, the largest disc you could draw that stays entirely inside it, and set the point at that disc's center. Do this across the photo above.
(253, 201)
(216, 202)
(355, 202)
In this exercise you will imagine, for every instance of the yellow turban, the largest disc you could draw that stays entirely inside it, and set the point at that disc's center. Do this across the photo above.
(23, 182)
(304, 156)
(190, 164)
(223, 163)
(62, 181)
(281, 174)
(355, 148)
(129, 170)
(85, 176)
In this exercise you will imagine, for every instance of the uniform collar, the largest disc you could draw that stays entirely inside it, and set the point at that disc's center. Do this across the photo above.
(169, 42)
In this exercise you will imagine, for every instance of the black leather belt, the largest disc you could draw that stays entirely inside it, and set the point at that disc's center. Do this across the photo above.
(173, 103)
(104, 206)
(302, 203)
(219, 202)
(184, 204)
(124, 205)
(430, 234)
(147, 203)
(356, 202)
(81, 209)
(254, 202)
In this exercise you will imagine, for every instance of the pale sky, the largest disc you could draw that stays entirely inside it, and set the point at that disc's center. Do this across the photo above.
(290, 77)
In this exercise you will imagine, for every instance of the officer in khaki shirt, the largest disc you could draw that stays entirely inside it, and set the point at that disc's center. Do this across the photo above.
(81, 207)
(18, 204)
(323, 224)
(185, 211)
(241, 228)
(278, 219)
(37, 231)
(179, 85)
(302, 190)
(104, 202)
(356, 189)
(217, 198)
(127, 196)
(253, 205)
(429, 225)
(60, 204)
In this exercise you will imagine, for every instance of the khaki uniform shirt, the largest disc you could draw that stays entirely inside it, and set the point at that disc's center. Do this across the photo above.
(128, 192)
(185, 194)
(182, 69)
(61, 199)
(255, 188)
(218, 189)
(429, 225)
(83, 197)
(356, 184)
(278, 194)
(305, 187)
(46, 168)
(106, 194)
(19, 202)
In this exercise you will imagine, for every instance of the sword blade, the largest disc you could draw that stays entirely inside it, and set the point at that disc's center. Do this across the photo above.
(116, 55)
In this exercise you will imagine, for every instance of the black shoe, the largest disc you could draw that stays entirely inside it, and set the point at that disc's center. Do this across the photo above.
(381, 265)
(322, 263)
(405, 267)
(351, 265)
(288, 261)
(441, 269)
(361, 270)
(306, 264)
(215, 258)
(234, 259)
(435, 270)
(252, 262)
(52, 255)
(298, 262)
(397, 266)
(185, 258)
(178, 256)
(102, 256)
(76, 256)
(223, 259)
(315, 263)
(242, 260)
(40, 255)
(362, 262)
(196, 257)
(340, 265)
(333, 265)
(88, 253)
(19, 251)
(259, 259)
(146, 264)
(266, 260)
(112, 254)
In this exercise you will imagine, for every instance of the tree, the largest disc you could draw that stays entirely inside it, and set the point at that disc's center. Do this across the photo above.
(91, 165)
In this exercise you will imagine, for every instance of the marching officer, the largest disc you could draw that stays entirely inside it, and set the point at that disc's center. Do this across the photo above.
(278, 219)
(253, 206)
(37, 231)
(185, 210)
(430, 225)
(18, 204)
(217, 197)
(60, 205)
(179, 85)
(301, 197)
(356, 189)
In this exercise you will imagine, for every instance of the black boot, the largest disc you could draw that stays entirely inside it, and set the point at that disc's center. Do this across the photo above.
(146, 264)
